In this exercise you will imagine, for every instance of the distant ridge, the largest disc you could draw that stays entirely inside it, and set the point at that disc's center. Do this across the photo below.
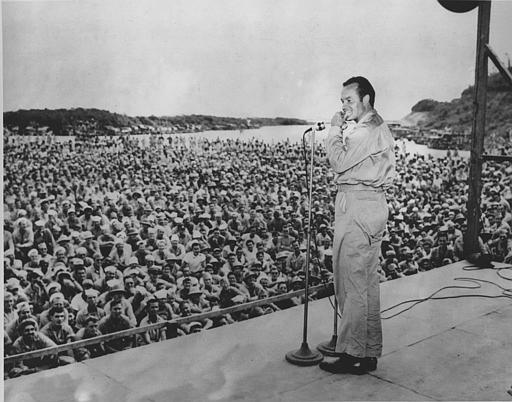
(96, 121)
(458, 113)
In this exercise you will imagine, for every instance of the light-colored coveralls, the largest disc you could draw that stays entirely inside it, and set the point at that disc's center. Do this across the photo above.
(363, 160)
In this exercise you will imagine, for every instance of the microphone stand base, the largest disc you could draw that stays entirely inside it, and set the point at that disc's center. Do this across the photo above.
(304, 356)
(328, 348)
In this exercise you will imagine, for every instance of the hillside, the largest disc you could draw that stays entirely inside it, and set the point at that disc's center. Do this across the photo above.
(458, 113)
(95, 121)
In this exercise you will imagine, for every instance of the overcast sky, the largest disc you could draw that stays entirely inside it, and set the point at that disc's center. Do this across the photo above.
(238, 57)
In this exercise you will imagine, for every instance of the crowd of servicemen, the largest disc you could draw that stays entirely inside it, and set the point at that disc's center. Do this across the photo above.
(109, 234)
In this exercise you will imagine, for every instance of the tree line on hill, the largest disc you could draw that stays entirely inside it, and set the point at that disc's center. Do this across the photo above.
(78, 120)
(458, 113)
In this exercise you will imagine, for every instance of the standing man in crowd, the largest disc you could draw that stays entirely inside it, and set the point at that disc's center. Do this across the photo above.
(360, 150)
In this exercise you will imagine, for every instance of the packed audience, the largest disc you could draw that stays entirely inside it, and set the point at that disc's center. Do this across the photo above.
(113, 233)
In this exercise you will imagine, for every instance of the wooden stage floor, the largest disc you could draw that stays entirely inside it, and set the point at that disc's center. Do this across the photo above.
(455, 349)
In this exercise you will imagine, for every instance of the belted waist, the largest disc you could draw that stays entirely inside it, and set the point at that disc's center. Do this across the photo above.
(347, 188)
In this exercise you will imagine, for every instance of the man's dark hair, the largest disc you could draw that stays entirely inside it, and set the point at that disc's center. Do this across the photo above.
(54, 310)
(363, 87)
(91, 318)
(115, 303)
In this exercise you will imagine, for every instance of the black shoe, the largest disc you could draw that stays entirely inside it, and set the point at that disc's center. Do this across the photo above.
(348, 364)
(345, 364)
(369, 364)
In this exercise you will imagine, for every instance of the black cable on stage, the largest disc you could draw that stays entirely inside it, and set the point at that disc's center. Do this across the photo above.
(506, 292)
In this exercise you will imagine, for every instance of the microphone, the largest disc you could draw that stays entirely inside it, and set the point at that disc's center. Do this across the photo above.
(317, 127)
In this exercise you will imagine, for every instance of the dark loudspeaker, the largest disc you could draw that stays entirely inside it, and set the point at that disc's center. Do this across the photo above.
(458, 6)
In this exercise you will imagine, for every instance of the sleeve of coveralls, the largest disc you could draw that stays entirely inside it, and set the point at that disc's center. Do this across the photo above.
(341, 158)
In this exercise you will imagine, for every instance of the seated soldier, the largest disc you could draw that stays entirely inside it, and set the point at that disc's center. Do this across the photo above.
(31, 339)
(152, 317)
(59, 332)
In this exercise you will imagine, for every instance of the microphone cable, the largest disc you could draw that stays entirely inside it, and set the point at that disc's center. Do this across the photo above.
(505, 292)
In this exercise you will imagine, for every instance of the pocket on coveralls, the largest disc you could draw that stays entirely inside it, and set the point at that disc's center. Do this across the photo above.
(372, 219)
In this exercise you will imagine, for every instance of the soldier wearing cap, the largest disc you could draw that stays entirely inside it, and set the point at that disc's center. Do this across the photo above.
(57, 300)
(24, 310)
(90, 309)
(23, 238)
(443, 251)
(10, 312)
(43, 235)
(216, 240)
(116, 294)
(176, 247)
(195, 260)
(296, 261)
(152, 317)
(120, 253)
(36, 291)
(59, 332)
(69, 285)
(285, 240)
(424, 264)
(161, 253)
(90, 245)
(408, 266)
(193, 326)
(116, 321)
(255, 292)
(31, 339)
(198, 302)
(88, 330)
(45, 258)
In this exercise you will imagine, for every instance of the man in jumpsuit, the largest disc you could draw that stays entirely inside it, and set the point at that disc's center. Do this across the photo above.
(360, 150)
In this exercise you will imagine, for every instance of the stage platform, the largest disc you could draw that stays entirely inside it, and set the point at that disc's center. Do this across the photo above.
(456, 349)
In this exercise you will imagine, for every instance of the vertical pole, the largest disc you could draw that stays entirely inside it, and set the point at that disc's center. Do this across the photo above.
(308, 250)
(471, 244)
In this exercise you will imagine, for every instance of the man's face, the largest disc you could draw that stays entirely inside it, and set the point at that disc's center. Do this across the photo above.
(153, 308)
(185, 309)
(43, 249)
(58, 318)
(8, 302)
(443, 240)
(24, 313)
(353, 107)
(29, 332)
(58, 302)
(80, 274)
(117, 310)
(92, 326)
(129, 283)
(91, 300)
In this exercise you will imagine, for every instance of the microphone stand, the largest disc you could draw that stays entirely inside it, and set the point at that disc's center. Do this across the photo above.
(304, 356)
(328, 348)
